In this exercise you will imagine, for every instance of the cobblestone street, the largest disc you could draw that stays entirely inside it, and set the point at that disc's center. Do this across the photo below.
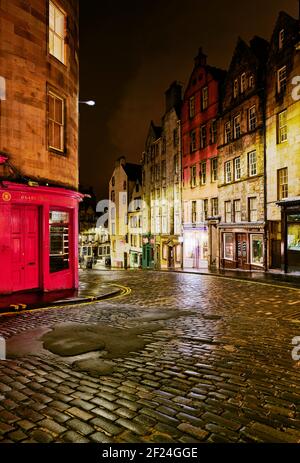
(221, 373)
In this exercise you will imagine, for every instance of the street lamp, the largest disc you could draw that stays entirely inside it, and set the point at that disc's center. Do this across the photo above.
(88, 103)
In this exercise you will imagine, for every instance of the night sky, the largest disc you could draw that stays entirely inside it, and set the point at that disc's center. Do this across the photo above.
(132, 50)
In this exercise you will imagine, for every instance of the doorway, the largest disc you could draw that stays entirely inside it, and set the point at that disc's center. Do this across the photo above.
(25, 247)
(241, 240)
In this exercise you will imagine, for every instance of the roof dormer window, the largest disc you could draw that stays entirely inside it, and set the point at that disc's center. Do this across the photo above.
(281, 37)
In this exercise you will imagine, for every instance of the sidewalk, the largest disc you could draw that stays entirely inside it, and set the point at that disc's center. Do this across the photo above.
(88, 291)
(271, 277)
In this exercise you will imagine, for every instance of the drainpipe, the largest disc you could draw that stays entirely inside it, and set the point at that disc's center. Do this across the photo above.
(266, 228)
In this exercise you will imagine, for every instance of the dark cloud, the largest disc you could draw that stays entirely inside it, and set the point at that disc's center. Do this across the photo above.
(132, 50)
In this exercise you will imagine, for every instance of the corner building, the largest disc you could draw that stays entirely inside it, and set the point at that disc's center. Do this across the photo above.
(39, 73)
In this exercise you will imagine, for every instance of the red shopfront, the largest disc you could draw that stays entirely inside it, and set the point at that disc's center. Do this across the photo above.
(38, 238)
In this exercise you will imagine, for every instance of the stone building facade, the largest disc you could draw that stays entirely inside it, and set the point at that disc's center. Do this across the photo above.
(162, 187)
(241, 131)
(283, 145)
(39, 73)
(200, 164)
(124, 191)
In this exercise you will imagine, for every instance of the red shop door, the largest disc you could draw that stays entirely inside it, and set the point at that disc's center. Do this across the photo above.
(25, 248)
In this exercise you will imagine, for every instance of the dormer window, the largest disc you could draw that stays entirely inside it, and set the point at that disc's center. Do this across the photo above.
(243, 83)
(281, 39)
(251, 81)
(235, 88)
(281, 80)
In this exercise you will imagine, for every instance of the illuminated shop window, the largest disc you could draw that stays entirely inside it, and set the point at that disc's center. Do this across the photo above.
(57, 21)
(228, 246)
(59, 228)
(257, 249)
(56, 122)
(293, 232)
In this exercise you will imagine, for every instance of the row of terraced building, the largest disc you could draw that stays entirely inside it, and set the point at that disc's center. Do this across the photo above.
(220, 183)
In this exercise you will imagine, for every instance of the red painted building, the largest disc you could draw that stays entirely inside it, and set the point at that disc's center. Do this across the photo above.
(200, 164)
(39, 73)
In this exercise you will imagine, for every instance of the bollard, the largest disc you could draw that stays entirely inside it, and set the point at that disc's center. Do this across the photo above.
(2, 349)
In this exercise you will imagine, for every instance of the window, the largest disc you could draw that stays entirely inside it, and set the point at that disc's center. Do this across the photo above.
(252, 209)
(228, 172)
(193, 176)
(281, 79)
(214, 207)
(237, 211)
(257, 249)
(252, 118)
(194, 211)
(59, 224)
(282, 176)
(213, 132)
(251, 81)
(113, 181)
(228, 246)
(237, 168)
(193, 141)
(252, 162)
(235, 88)
(282, 127)
(205, 209)
(56, 122)
(2, 89)
(204, 98)
(175, 138)
(57, 20)
(113, 196)
(214, 170)
(152, 174)
(124, 198)
(227, 132)
(237, 126)
(293, 234)
(124, 185)
(203, 137)
(192, 107)
(243, 83)
(281, 39)
(203, 173)
(228, 210)
(163, 169)
(176, 164)
(157, 172)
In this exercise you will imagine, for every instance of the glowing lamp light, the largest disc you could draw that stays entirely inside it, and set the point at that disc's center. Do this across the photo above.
(88, 103)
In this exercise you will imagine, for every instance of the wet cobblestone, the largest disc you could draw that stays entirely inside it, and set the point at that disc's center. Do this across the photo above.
(223, 374)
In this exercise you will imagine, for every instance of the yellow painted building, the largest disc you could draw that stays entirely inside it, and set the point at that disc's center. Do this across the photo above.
(283, 146)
